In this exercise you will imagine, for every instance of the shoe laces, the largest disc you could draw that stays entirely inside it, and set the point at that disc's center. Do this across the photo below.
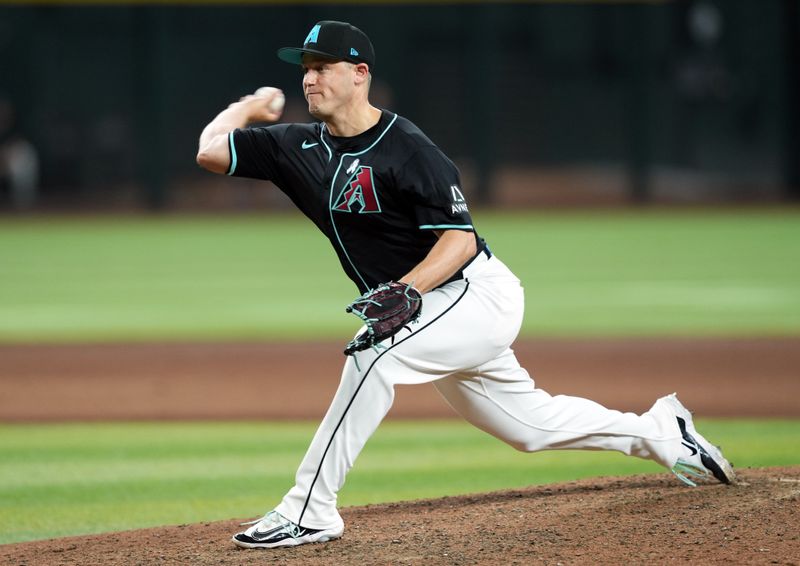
(275, 519)
(271, 517)
(683, 469)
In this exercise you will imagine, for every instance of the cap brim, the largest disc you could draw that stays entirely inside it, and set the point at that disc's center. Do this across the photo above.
(294, 55)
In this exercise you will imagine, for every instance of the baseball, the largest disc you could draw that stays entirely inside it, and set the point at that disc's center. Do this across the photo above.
(278, 100)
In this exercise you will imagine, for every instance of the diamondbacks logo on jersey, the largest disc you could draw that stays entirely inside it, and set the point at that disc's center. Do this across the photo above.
(359, 195)
(459, 202)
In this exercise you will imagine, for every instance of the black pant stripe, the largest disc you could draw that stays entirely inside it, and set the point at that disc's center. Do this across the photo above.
(353, 398)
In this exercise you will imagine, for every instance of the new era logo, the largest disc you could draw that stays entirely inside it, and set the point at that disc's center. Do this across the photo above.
(353, 52)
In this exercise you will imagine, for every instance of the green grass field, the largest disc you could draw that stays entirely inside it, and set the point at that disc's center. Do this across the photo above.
(585, 273)
(62, 479)
(688, 273)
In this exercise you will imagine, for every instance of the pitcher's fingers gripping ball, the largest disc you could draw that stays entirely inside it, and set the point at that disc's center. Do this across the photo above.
(277, 99)
(274, 98)
(385, 310)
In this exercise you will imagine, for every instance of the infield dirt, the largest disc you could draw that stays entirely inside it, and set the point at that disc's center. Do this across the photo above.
(714, 377)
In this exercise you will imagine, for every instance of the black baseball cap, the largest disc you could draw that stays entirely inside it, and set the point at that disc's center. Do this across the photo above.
(336, 40)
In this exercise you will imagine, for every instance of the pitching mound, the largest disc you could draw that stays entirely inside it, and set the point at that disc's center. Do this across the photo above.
(639, 519)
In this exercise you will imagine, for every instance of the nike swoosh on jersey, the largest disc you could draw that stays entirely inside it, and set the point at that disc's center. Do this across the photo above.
(307, 145)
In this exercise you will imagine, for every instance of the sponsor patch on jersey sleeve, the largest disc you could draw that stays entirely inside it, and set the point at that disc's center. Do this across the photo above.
(432, 181)
(450, 215)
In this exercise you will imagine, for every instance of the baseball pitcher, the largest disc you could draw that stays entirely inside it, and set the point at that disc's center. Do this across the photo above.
(437, 305)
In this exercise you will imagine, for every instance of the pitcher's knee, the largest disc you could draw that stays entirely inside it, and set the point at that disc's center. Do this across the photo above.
(526, 445)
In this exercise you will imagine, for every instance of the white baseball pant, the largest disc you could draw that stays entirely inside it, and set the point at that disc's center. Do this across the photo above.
(461, 342)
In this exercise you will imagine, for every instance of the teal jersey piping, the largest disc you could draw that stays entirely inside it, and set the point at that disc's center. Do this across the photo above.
(233, 154)
(330, 195)
(330, 153)
(447, 227)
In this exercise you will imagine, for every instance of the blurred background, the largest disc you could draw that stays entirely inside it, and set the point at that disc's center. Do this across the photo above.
(636, 164)
(691, 101)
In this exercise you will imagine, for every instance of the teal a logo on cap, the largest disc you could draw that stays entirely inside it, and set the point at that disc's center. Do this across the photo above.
(353, 52)
(313, 35)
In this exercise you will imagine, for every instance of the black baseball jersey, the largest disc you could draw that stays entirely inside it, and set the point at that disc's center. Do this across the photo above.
(377, 196)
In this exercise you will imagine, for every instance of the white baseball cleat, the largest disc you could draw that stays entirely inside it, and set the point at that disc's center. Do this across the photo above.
(699, 458)
(274, 530)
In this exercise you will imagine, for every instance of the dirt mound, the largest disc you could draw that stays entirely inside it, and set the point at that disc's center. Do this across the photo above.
(639, 519)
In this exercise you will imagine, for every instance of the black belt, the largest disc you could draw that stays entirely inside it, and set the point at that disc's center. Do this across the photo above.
(459, 275)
